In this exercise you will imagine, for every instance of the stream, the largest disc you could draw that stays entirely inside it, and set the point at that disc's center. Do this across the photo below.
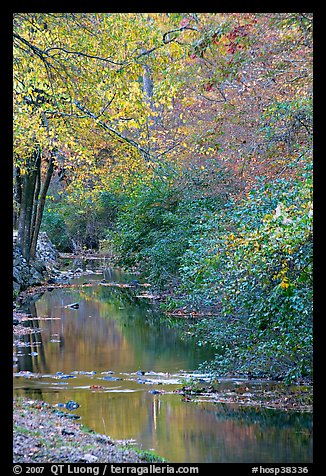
(122, 360)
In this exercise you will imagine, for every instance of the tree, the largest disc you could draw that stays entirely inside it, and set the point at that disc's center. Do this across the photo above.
(78, 81)
(251, 103)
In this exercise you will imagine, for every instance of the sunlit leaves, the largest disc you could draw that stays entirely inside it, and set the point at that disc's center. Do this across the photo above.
(97, 59)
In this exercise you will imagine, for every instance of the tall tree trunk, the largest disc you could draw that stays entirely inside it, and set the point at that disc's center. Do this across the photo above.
(148, 90)
(28, 184)
(36, 201)
(40, 207)
(148, 85)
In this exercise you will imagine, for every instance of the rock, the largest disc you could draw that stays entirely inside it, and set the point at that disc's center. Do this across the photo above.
(45, 250)
(16, 287)
(89, 458)
(74, 305)
(17, 262)
(35, 279)
(33, 273)
(67, 432)
(67, 415)
(134, 282)
(84, 372)
(62, 280)
(71, 405)
(39, 266)
(143, 381)
(55, 272)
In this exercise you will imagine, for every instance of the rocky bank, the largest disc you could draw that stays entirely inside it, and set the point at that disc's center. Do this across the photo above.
(33, 273)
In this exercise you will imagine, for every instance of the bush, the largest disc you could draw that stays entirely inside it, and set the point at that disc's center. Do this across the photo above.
(54, 225)
(155, 226)
(87, 218)
(144, 232)
(254, 260)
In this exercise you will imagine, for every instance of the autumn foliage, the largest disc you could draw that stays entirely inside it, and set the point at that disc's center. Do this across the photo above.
(183, 142)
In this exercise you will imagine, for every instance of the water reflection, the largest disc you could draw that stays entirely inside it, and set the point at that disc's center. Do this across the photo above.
(109, 330)
(114, 331)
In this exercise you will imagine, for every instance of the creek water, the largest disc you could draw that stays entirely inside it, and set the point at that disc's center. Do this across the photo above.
(122, 360)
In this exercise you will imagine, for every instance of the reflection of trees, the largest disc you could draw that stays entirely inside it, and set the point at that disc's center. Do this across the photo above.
(265, 417)
(35, 393)
(90, 342)
(111, 328)
(40, 358)
(203, 433)
(136, 333)
(146, 328)
(184, 432)
(33, 342)
(220, 433)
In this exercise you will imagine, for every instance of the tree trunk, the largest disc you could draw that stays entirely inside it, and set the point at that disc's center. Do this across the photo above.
(152, 120)
(40, 207)
(28, 184)
(36, 201)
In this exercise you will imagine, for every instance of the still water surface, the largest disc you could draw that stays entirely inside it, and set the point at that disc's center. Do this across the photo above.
(93, 355)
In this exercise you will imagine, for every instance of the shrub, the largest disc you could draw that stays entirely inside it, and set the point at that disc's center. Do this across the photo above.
(88, 217)
(255, 261)
(54, 225)
(155, 227)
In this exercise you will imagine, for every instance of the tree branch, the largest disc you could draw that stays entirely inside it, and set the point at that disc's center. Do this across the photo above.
(144, 153)
(79, 53)
(103, 124)
(166, 41)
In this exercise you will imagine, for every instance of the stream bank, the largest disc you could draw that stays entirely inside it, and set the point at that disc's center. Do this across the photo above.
(35, 272)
